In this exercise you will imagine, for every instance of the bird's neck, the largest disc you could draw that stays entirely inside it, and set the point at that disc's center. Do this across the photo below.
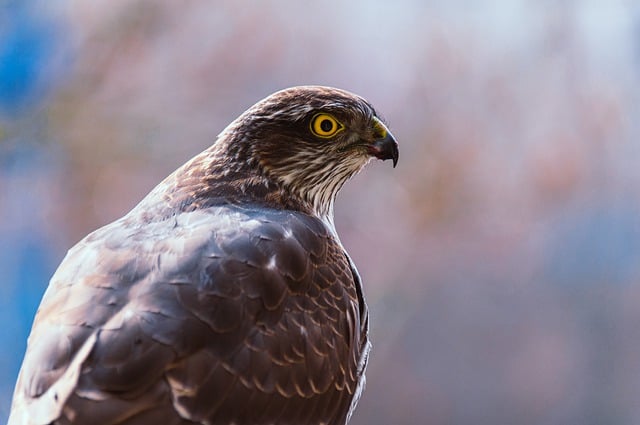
(213, 178)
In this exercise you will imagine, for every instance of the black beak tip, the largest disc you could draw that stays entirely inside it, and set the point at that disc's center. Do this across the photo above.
(395, 155)
(385, 148)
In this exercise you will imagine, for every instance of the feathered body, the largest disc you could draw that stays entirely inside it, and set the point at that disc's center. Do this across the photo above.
(225, 296)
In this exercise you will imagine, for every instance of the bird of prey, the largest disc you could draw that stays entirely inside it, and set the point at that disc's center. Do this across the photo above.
(225, 296)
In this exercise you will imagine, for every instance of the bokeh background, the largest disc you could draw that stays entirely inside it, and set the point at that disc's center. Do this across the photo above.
(501, 259)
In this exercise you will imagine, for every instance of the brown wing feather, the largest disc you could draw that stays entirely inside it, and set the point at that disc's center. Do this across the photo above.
(194, 319)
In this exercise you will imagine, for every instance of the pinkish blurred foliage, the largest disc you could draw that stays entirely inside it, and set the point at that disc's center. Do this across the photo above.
(501, 259)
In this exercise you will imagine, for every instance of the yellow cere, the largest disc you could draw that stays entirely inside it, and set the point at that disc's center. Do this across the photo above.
(325, 125)
(380, 130)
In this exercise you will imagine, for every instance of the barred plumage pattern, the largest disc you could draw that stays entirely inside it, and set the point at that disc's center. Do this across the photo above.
(225, 296)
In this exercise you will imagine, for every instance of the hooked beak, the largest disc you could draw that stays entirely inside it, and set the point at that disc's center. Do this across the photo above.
(384, 146)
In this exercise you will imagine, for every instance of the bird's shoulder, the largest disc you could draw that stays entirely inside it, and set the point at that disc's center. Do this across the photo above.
(224, 252)
(133, 297)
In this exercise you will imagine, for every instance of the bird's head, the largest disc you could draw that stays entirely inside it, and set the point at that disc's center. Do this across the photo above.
(310, 140)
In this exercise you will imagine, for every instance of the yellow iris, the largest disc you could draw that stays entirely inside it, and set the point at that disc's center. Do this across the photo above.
(325, 125)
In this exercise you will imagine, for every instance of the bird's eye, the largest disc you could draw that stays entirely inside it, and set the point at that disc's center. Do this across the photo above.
(325, 125)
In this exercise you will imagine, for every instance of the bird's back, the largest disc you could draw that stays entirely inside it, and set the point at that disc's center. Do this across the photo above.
(195, 317)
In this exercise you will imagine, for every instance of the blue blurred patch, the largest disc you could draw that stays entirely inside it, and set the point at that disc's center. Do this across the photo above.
(595, 244)
(28, 46)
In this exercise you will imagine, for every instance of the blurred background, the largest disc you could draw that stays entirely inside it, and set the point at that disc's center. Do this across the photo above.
(501, 259)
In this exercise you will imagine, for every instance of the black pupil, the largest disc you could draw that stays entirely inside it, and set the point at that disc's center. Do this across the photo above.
(326, 125)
